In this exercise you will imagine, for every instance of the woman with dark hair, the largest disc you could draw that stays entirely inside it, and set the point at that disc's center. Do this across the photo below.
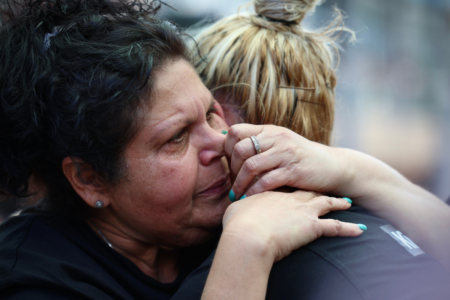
(267, 68)
(102, 113)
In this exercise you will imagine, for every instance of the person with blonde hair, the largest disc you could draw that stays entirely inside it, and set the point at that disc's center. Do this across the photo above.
(265, 68)
(268, 69)
(100, 104)
(271, 70)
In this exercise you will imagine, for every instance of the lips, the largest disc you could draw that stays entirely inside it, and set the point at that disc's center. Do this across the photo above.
(217, 188)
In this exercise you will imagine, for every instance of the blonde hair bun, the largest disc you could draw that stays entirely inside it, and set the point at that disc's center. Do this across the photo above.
(286, 10)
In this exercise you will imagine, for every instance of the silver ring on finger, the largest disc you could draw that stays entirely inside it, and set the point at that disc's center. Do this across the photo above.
(256, 144)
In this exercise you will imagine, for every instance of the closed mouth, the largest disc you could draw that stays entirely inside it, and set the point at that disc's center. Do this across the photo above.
(219, 187)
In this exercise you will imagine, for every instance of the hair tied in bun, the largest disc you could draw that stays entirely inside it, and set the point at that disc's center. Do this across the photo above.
(288, 12)
(278, 21)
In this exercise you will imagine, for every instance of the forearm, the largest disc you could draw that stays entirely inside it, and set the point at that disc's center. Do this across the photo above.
(384, 192)
(240, 270)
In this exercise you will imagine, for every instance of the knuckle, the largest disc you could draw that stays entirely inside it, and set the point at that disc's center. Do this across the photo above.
(290, 151)
(270, 128)
(266, 182)
(239, 150)
(285, 133)
(337, 225)
(234, 131)
(329, 201)
(325, 199)
(250, 166)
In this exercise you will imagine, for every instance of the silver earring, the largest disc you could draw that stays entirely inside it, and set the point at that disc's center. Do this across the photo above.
(99, 204)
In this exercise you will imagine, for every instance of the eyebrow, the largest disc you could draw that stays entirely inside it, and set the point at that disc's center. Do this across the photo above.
(185, 121)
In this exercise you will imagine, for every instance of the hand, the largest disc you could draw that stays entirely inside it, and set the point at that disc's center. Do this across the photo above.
(287, 159)
(281, 222)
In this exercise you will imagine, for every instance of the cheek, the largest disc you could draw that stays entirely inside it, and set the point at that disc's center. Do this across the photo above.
(167, 184)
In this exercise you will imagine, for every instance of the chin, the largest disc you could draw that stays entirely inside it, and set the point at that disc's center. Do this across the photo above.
(206, 223)
(215, 217)
(200, 237)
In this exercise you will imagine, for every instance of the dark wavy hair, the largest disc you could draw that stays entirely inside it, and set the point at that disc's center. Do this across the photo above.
(73, 77)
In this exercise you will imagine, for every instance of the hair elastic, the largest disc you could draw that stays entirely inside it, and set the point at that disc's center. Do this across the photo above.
(278, 21)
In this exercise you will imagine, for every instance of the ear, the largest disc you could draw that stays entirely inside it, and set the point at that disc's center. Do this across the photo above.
(229, 113)
(85, 181)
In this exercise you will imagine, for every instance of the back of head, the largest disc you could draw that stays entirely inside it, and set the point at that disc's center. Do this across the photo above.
(271, 68)
(72, 78)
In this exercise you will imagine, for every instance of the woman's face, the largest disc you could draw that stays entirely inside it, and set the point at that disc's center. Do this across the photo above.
(177, 184)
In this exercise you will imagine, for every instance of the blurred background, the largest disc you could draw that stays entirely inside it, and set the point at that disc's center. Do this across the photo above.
(393, 95)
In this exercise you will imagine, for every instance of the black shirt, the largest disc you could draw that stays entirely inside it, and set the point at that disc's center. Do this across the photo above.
(378, 265)
(51, 258)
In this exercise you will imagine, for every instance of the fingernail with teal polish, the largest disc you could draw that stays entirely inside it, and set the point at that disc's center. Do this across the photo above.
(348, 200)
(232, 196)
(362, 227)
(243, 197)
(224, 132)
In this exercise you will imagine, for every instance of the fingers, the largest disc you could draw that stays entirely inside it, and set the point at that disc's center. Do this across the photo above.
(324, 204)
(332, 228)
(256, 166)
(278, 152)
(242, 151)
(238, 133)
(267, 182)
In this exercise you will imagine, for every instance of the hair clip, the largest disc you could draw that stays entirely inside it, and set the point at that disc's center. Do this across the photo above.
(297, 88)
(47, 37)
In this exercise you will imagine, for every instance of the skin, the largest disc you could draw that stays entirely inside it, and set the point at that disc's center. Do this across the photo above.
(167, 200)
(251, 243)
(150, 213)
(176, 193)
(288, 159)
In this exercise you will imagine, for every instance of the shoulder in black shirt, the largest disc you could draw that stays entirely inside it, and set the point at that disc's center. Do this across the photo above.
(49, 258)
(378, 265)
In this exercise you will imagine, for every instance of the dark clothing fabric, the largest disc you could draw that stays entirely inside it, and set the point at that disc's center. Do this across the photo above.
(43, 257)
(372, 266)
(50, 258)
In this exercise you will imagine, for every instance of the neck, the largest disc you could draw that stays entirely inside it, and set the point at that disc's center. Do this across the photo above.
(154, 261)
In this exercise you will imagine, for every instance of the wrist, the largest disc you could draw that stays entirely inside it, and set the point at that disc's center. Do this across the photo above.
(345, 175)
(365, 177)
(250, 240)
(240, 269)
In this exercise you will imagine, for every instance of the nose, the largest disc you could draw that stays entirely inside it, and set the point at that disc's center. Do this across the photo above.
(213, 149)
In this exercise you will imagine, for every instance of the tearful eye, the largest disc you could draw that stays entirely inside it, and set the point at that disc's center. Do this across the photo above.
(179, 137)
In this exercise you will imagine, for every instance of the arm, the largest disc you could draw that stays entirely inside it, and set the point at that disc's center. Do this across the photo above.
(288, 159)
(240, 270)
(387, 194)
(255, 236)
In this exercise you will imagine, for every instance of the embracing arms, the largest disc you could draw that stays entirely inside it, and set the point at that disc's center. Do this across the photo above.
(267, 226)
(387, 194)
(290, 160)
(263, 229)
